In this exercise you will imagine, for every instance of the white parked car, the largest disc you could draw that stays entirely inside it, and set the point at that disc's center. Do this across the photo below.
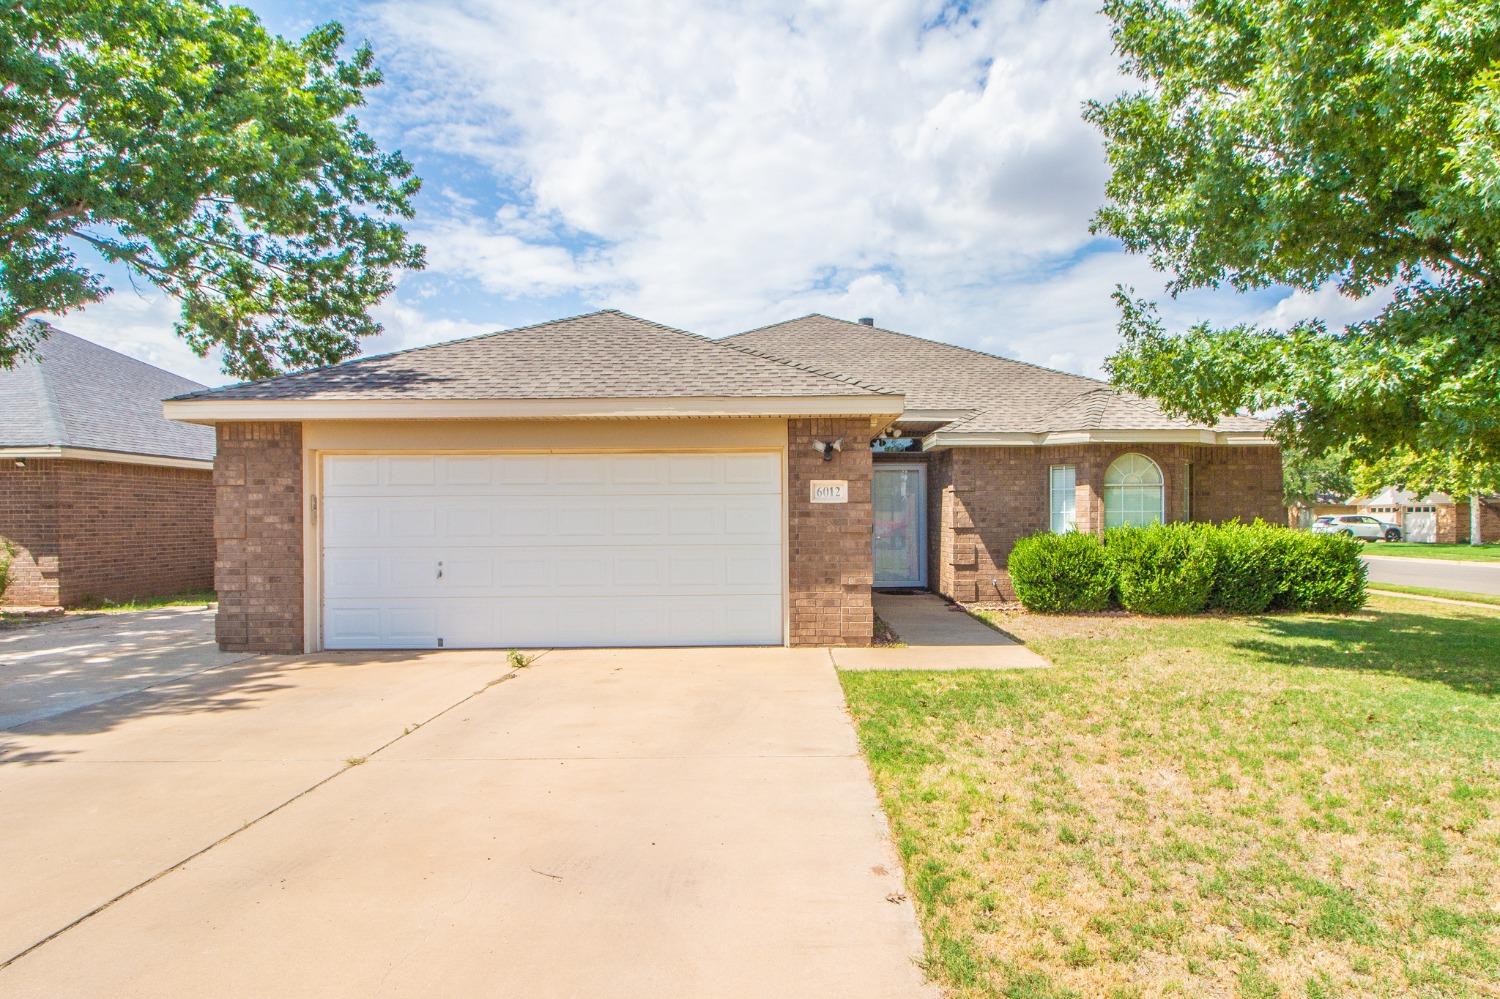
(1357, 525)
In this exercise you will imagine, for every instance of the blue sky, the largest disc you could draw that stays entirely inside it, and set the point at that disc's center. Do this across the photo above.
(720, 166)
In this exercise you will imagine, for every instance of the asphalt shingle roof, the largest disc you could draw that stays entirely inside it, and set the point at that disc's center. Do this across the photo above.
(1003, 395)
(74, 393)
(601, 355)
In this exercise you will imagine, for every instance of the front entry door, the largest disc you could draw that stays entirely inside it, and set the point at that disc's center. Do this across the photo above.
(900, 494)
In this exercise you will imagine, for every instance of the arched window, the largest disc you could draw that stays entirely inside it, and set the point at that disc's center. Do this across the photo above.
(1133, 492)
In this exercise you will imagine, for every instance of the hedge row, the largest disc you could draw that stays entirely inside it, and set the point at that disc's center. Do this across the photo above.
(1188, 568)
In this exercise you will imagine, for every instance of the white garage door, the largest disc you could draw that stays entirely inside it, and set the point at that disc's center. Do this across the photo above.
(1421, 525)
(516, 551)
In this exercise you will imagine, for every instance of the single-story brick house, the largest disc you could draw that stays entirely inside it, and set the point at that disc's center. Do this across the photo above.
(605, 480)
(100, 496)
(1436, 518)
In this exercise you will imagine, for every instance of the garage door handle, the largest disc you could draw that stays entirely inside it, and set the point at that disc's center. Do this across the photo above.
(440, 570)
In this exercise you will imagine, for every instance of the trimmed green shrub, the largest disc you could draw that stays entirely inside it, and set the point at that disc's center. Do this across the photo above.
(1163, 568)
(1055, 573)
(1186, 568)
(1319, 572)
(6, 554)
(1248, 572)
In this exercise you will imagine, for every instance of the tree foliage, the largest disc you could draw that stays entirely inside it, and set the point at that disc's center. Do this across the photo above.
(181, 140)
(1306, 477)
(1426, 473)
(1307, 142)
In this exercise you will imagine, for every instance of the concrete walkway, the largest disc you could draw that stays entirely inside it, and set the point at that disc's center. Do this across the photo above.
(602, 823)
(60, 665)
(938, 636)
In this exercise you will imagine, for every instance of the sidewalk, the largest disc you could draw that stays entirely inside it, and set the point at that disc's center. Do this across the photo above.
(938, 636)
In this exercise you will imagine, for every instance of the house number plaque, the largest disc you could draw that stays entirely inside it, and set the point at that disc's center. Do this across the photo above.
(830, 491)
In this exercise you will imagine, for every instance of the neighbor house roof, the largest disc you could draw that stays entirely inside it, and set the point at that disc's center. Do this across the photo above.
(74, 394)
(1395, 496)
(973, 392)
(604, 355)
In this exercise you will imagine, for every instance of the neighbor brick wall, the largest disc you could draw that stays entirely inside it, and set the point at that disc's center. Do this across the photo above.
(832, 564)
(1453, 522)
(258, 527)
(1489, 520)
(28, 520)
(987, 498)
(103, 530)
(134, 531)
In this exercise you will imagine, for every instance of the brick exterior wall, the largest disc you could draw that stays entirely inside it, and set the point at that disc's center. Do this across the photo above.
(1453, 522)
(28, 520)
(258, 527)
(832, 564)
(103, 530)
(981, 500)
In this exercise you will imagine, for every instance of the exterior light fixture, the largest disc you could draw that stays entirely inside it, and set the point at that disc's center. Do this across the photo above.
(20, 462)
(826, 448)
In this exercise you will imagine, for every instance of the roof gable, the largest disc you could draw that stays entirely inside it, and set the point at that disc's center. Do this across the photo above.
(74, 393)
(1003, 395)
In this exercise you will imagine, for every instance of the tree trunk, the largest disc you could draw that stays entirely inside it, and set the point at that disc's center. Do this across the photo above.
(1474, 516)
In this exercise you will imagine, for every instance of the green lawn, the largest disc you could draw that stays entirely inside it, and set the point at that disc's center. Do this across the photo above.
(1427, 591)
(1459, 553)
(198, 597)
(1299, 805)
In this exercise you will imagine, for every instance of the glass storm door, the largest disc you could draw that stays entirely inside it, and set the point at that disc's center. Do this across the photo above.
(900, 494)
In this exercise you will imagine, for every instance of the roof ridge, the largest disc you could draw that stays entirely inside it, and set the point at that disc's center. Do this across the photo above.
(939, 343)
(846, 379)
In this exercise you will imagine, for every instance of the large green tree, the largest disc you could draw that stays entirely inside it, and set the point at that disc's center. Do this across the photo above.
(1303, 143)
(180, 140)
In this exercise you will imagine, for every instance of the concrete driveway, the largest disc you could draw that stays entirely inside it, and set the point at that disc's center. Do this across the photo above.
(1440, 574)
(601, 823)
(57, 666)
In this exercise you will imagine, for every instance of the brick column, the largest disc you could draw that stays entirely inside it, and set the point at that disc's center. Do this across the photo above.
(832, 562)
(258, 529)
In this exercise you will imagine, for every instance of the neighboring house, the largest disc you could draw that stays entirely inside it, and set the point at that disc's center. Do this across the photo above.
(604, 480)
(1436, 518)
(100, 496)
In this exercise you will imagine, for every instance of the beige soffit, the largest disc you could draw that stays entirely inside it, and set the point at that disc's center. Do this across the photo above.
(91, 454)
(949, 438)
(211, 410)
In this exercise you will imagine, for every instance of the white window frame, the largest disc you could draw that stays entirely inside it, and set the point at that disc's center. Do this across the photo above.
(1071, 492)
(1115, 488)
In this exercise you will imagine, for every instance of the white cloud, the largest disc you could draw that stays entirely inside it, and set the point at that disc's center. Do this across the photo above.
(722, 166)
(734, 162)
(139, 324)
(504, 263)
(1327, 304)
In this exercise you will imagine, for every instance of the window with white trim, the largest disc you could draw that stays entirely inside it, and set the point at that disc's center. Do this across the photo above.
(1133, 492)
(1064, 492)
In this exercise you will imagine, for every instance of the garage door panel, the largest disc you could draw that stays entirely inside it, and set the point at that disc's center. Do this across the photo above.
(409, 471)
(541, 550)
(762, 472)
(467, 521)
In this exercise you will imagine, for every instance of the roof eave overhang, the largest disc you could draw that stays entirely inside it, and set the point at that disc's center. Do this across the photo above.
(952, 438)
(96, 454)
(212, 411)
